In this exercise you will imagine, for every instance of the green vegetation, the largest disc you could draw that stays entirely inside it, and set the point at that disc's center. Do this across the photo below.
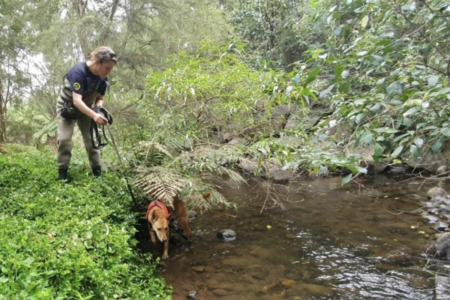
(201, 88)
(68, 240)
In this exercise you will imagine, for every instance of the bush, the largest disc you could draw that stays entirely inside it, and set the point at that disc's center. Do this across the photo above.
(68, 240)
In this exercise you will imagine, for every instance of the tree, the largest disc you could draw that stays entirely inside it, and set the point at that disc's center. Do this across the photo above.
(13, 38)
(279, 31)
(143, 33)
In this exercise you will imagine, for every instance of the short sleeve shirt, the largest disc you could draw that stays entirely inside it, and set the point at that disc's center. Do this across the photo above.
(83, 81)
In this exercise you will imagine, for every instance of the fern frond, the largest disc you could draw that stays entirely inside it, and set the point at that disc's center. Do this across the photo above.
(148, 146)
(212, 161)
(151, 153)
(203, 196)
(160, 183)
(178, 143)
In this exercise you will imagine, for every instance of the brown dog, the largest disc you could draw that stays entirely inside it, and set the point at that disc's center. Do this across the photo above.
(158, 217)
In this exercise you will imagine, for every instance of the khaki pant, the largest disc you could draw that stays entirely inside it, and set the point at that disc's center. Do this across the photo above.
(65, 143)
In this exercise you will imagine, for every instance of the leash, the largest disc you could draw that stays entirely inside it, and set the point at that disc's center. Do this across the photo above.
(121, 165)
(95, 135)
(97, 144)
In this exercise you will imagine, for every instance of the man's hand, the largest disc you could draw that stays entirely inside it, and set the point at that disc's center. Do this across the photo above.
(99, 119)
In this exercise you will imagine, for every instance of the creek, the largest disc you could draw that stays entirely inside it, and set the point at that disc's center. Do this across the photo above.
(359, 241)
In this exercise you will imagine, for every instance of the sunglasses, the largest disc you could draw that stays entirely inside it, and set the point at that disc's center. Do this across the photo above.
(109, 56)
(113, 57)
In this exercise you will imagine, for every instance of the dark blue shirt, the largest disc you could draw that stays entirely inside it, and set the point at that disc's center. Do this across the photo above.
(82, 80)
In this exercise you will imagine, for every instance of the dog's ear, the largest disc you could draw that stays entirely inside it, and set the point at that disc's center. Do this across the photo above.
(153, 217)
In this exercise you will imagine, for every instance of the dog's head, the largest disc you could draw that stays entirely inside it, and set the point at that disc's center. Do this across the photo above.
(160, 223)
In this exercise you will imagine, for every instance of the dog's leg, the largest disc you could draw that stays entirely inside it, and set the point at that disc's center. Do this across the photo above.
(153, 236)
(166, 246)
(182, 216)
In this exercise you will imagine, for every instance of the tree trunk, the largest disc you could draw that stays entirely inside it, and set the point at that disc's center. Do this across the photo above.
(2, 113)
(80, 9)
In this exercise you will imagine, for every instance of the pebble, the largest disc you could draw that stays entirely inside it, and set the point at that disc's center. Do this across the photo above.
(227, 235)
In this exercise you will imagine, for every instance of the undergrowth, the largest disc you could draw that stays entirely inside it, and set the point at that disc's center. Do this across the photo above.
(69, 240)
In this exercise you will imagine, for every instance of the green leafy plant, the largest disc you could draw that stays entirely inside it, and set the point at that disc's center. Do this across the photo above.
(69, 241)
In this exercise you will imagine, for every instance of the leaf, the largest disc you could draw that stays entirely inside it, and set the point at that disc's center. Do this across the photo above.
(367, 138)
(397, 152)
(325, 93)
(288, 90)
(381, 81)
(415, 150)
(437, 145)
(346, 179)
(418, 142)
(338, 72)
(362, 53)
(377, 153)
(344, 86)
(410, 111)
(296, 78)
(312, 75)
(345, 74)
(409, 7)
(362, 170)
(407, 122)
(394, 87)
(445, 131)
(364, 21)
(359, 118)
(433, 80)
(360, 101)
(376, 108)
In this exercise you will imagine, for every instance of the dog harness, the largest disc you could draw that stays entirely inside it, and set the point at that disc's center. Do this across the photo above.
(156, 204)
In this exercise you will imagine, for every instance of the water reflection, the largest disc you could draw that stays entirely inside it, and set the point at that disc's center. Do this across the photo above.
(348, 242)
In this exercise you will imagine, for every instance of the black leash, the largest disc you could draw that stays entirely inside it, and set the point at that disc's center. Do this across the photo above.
(95, 135)
(121, 164)
(97, 143)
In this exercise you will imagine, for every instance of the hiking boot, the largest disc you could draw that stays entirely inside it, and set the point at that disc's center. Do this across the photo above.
(97, 171)
(62, 174)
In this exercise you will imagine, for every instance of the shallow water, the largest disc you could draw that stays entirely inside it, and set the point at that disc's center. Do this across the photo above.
(332, 242)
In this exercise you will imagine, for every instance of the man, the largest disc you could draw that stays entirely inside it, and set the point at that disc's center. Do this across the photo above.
(84, 88)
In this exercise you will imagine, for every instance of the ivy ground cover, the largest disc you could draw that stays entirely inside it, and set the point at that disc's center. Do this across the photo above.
(68, 240)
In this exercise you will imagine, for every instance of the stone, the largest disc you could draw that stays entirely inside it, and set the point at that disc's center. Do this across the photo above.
(430, 161)
(441, 226)
(436, 191)
(227, 235)
(192, 295)
(442, 170)
(192, 215)
(287, 283)
(258, 272)
(198, 269)
(431, 219)
(442, 245)
(249, 166)
(442, 287)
